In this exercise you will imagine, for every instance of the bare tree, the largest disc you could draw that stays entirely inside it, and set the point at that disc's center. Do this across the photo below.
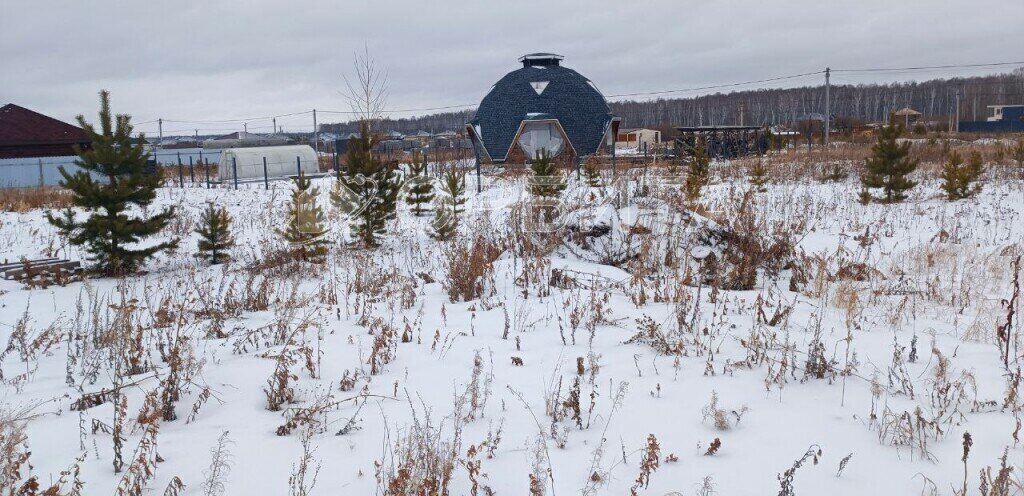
(367, 90)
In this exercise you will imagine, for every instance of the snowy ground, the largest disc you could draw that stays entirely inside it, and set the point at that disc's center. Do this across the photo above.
(942, 270)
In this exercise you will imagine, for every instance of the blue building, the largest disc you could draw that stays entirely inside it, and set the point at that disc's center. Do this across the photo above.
(1005, 119)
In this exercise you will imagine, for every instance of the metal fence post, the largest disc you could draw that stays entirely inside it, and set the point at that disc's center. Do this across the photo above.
(476, 155)
(234, 170)
(42, 181)
(337, 171)
(181, 173)
(613, 160)
(266, 182)
(207, 167)
(191, 171)
(298, 166)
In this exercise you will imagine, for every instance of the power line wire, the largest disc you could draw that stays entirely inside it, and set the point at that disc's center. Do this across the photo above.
(227, 121)
(930, 67)
(717, 86)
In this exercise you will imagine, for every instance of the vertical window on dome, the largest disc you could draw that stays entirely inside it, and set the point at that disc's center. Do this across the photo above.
(541, 136)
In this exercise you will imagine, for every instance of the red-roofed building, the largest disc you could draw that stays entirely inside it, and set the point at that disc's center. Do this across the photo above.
(24, 133)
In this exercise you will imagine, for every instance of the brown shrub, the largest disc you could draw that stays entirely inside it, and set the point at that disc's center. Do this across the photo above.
(469, 268)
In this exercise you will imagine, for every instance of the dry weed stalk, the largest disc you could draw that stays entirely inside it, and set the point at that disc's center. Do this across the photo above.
(15, 458)
(650, 460)
(143, 465)
(1003, 331)
(304, 474)
(423, 458)
(1002, 484)
(716, 444)
(649, 333)
(720, 416)
(221, 461)
(786, 478)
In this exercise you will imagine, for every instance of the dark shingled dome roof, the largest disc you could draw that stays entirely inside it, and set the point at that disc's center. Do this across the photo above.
(569, 97)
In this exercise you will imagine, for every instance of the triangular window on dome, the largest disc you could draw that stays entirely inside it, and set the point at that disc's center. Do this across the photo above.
(539, 86)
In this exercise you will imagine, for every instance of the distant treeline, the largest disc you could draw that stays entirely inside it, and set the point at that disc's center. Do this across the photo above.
(862, 102)
(936, 99)
(434, 123)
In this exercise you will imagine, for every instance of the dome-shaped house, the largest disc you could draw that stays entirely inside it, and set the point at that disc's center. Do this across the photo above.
(542, 106)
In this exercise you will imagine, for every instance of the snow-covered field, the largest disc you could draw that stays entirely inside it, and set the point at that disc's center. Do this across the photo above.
(883, 348)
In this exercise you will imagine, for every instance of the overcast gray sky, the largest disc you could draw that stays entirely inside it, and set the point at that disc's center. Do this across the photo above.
(214, 60)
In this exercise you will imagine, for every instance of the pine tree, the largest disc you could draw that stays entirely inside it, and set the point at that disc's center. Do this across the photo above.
(110, 184)
(305, 231)
(215, 236)
(370, 190)
(546, 184)
(833, 173)
(959, 179)
(446, 216)
(421, 192)
(759, 175)
(888, 167)
(698, 171)
(547, 181)
(591, 174)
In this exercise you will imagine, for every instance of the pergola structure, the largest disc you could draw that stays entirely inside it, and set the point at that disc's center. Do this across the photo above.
(723, 141)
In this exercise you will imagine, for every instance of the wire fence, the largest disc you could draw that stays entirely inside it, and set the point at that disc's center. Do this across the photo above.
(45, 171)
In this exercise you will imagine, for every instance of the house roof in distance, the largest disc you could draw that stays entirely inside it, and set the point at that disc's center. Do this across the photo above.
(906, 111)
(21, 126)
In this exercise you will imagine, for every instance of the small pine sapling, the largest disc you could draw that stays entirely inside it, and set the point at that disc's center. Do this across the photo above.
(370, 190)
(591, 173)
(305, 231)
(833, 173)
(215, 238)
(450, 206)
(759, 176)
(421, 191)
(888, 167)
(698, 171)
(547, 182)
(959, 180)
(546, 185)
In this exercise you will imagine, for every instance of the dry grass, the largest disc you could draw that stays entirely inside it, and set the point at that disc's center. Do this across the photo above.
(22, 200)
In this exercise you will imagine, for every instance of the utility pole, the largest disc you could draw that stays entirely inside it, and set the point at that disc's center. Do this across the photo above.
(828, 109)
(316, 135)
(275, 125)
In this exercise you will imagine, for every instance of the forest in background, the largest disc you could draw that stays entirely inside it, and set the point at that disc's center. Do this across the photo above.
(935, 98)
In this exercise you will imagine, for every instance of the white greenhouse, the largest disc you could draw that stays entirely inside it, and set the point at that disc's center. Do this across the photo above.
(281, 161)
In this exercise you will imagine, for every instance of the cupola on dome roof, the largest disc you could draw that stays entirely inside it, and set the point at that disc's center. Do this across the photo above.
(541, 59)
(541, 105)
